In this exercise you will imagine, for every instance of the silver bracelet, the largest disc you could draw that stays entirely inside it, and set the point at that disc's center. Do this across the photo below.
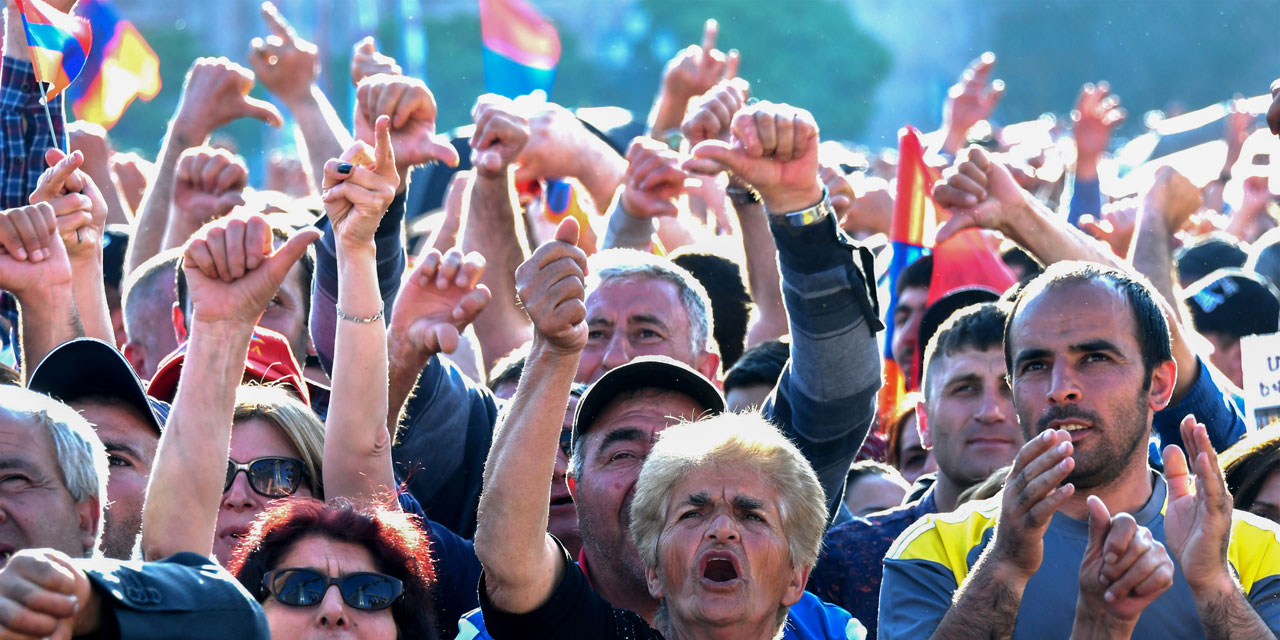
(358, 320)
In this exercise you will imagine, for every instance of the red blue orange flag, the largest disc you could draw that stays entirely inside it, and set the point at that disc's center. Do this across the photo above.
(59, 44)
(117, 72)
(521, 48)
(915, 220)
(965, 260)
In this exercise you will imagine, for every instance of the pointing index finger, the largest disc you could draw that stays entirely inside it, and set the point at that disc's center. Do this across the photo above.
(709, 32)
(382, 151)
(277, 23)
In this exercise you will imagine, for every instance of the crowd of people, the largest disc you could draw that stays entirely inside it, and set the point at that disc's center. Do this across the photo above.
(404, 390)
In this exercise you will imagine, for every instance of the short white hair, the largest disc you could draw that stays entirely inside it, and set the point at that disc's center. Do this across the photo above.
(628, 264)
(80, 456)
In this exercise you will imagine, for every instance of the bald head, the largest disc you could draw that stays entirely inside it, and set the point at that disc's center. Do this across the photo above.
(149, 294)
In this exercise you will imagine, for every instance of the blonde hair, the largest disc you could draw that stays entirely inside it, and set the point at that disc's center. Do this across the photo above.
(730, 440)
(295, 420)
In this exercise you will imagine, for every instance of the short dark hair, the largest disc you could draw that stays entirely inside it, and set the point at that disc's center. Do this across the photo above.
(918, 274)
(730, 302)
(396, 540)
(508, 368)
(1149, 325)
(278, 235)
(1020, 261)
(977, 327)
(761, 364)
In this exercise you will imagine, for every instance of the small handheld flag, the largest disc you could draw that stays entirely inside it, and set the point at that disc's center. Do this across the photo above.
(59, 44)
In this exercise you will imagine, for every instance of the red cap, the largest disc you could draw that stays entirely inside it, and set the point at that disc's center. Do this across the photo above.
(269, 360)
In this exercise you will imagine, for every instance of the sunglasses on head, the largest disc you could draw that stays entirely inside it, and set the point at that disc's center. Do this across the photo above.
(272, 477)
(305, 587)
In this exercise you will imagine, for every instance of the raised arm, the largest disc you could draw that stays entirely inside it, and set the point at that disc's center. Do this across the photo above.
(689, 74)
(358, 187)
(90, 139)
(208, 184)
(412, 111)
(970, 100)
(35, 269)
(981, 193)
(232, 274)
(653, 180)
(522, 562)
(81, 217)
(436, 303)
(288, 66)
(493, 227)
(215, 93)
(43, 593)
(825, 399)
(560, 146)
(711, 119)
(1095, 117)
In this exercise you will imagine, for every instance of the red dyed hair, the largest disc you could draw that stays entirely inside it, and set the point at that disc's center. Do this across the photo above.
(396, 540)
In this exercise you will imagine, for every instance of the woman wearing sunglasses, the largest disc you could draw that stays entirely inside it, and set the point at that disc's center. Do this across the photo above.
(316, 567)
(277, 444)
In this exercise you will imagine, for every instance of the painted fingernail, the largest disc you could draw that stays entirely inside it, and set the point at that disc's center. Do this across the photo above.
(344, 167)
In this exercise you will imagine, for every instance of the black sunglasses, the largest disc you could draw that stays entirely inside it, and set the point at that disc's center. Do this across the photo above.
(305, 587)
(272, 477)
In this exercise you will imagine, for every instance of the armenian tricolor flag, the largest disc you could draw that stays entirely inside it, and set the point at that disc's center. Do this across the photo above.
(59, 44)
(521, 48)
(119, 71)
(915, 220)
(965, 260)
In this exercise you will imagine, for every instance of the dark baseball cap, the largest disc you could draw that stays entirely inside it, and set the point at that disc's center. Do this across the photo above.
(1235, 302)
(942, 309)
(645, 372)
(88, 367)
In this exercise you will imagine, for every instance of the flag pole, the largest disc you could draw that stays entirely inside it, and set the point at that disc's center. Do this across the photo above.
(60, 144)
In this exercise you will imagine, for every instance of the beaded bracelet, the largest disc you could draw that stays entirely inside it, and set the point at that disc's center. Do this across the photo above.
(359, 320)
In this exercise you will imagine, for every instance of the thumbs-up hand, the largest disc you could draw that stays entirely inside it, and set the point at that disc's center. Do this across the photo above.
(233, 271)
(216, 92)
(551, 286)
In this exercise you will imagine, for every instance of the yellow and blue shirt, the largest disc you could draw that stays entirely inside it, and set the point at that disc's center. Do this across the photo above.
(928, 562)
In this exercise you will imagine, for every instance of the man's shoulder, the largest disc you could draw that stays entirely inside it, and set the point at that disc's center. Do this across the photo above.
(874, 532)
(1254, 549)
(947, 538)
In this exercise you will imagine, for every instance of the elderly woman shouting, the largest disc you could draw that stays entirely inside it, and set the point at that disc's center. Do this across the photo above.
(726, 515)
